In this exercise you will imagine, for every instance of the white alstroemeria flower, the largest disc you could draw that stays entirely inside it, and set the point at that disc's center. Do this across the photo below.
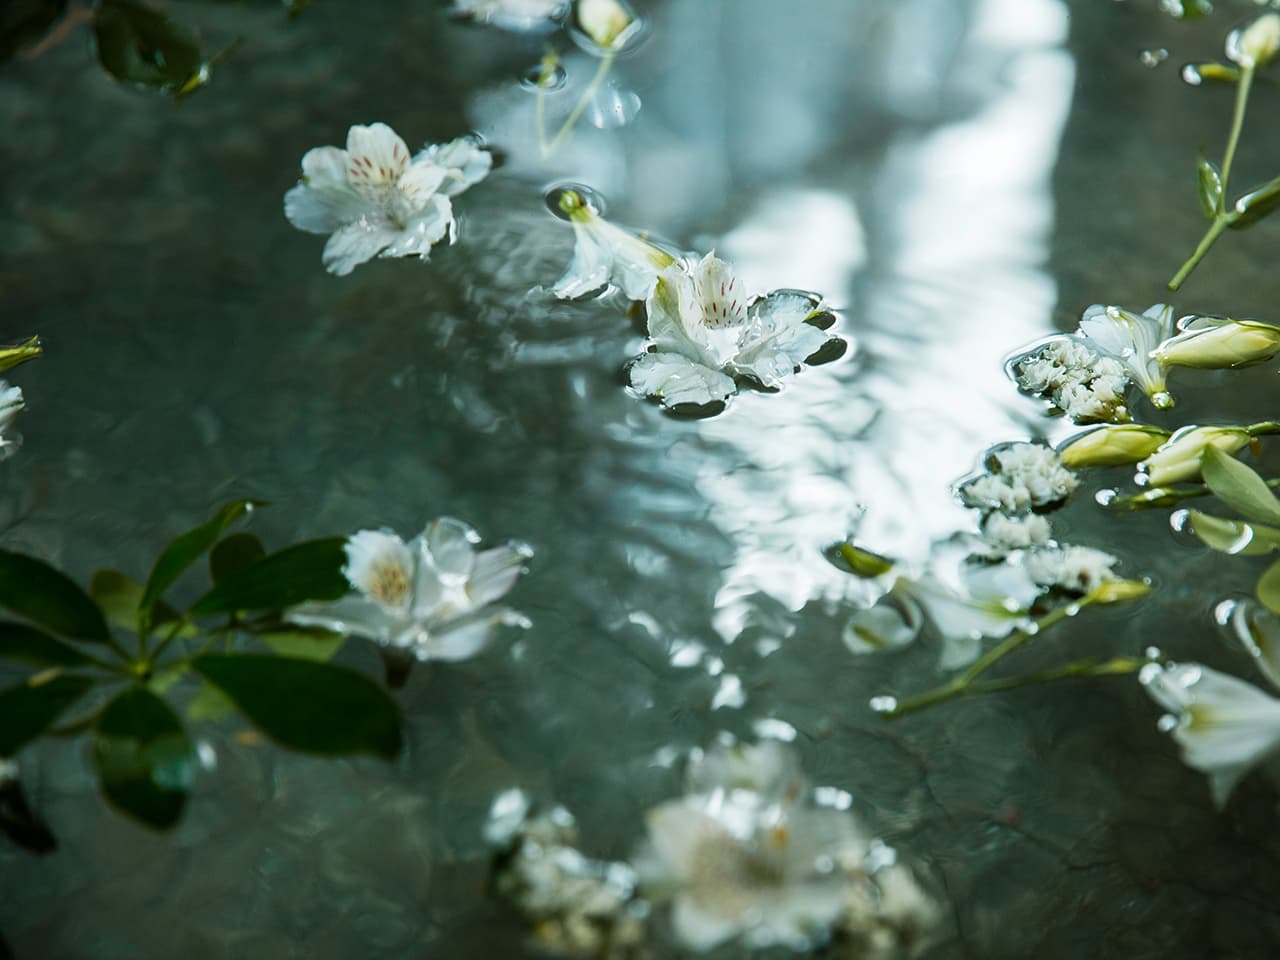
(704, 334)
(1133, 340)
(605, 253)
(1075, 569)
(1178, 458)
(1258, 631)
(1004, 532)
(1224, 726)
(1084, 385)
(431, 597)
(1021, 477)
(1214, 343)
(768, 867)
(11, 404)
(516, 15)
(376, 201)
(995, 600)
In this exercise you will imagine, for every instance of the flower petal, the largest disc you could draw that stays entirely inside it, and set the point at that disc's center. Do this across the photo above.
(449, 545)
(376, 157)
(782, 310)
(424, 230)
(589, 269)
(420, 181)
(465, 160)
(676, 380)
(324, 200)
(356, 243)
(720, 298)
(352, 616)
(495, 573)
(380, 565)
(700, 929)
(1259, 631)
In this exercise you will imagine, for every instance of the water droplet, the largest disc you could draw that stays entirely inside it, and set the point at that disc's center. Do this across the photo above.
(1148, 674)
(1191, 74)
(613, 107)
(823, 864)
(555, 197)
(884, 704)
(1162, 400)
(774, 729)
(1153, 58)
(1106, 496)
(540, 77)
(1153, 653)
(1167, 723)
(1142, 479)
(1225, 611)
(1180, 521)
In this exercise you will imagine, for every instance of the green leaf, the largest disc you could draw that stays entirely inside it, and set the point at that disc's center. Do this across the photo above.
(209, 703)
(25, 22)
(145, 760)
(35, 590)
(139, 45)
(1256, 204)
(1210, 182)
(232, 554)
(303, 705)
(318, 645)
(311, 570)
(26, 644)
(1234, 536)
(859, 562)
(1238, 486)
(183, 552)
(1268, 588)
(118, 596)
(28, 709)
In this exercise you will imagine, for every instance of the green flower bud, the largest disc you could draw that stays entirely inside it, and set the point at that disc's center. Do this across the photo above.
(1211, 344)
(604, 21)
(1257, 43)
(1115, 591)
(1112, 446)
(20, 353)
(1179, 458)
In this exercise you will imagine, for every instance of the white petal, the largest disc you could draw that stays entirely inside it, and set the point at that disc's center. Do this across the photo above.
(495, 573)
(356, 243)
(467, 162)
(722, 302)
(700, 929)
(450, 546)
(419, 181)
(324, 201)
(1259, 632)
(675, 380)
(769, 768)
(676, 829)
(963, 618)
(674, 316)
(635, 262)
(426, 229)
(882, 627)
(381, 567)
(772, 359)
(351, 615)
(782, 310)
(589, 269)
(376, 157)
(464, 638)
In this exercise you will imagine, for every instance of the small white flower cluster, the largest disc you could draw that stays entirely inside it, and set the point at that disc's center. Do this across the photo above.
(1020, 477)
(1072, 569)
(752, 853)
(575, 906)
(431, 598)
(11, 404)
(1085, 386)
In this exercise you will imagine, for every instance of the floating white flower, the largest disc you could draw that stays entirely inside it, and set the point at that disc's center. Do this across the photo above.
(994, 600)
(605, 253)
(11, 405)
(517, 15)
(1021, 477)
(1224, 726)
(431, 597)
(1133, 340)
(704, 333)
(1074, 569)
(1216, 342)
(376, 201)
(1084, 385)
(1004, 532)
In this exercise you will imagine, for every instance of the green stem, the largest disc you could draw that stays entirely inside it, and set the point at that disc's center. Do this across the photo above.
(1262, 428)
(602, 71)
(1222, 218)
(176, 628)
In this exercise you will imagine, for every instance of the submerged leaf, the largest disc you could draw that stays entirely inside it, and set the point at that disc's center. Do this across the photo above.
(145, 760)
(303, 705)
(139, 45)
(46, 596)
(28, 709)
(311, 570)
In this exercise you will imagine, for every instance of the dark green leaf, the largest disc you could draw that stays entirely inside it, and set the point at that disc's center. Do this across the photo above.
(232, 554)
(118, 596)
(311, 570)
(24, 22)
(309, 706)
(1268, 588)
(37, 591)
(26, 644)
(318, 645)
(1234, 536)
(1239, 487)
(139, 45)
(1210, 181)
(28, 709)
(144, 758)
(1256, 204)
(183, 552)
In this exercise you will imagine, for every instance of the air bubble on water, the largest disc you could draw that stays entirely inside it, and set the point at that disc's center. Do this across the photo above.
(1154, 57)
(613, 107)
(555, 196)
(1148, 674)
(832, 797)
(542, 78)
(1180, 521)
(884, 704)
(1167, 723)
(1153, 653)
(1106, 496)
(1225, 612)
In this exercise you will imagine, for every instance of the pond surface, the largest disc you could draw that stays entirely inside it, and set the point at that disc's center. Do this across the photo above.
(956, 177)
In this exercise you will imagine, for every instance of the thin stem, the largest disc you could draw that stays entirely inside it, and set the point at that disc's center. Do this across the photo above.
(602, 71)
(177, 627)
(1210, 237)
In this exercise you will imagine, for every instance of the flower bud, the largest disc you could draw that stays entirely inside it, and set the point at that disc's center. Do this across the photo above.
(1179, 458)
(1211, 344)
(20, 353)
(1113, 446)
(1115, 591)
(1255, 44)
(604, 21)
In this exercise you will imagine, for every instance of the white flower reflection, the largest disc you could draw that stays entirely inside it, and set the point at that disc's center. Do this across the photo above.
(749, 853)
(704, 333)
(375, 201)
(431, 597)
(11, 404)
